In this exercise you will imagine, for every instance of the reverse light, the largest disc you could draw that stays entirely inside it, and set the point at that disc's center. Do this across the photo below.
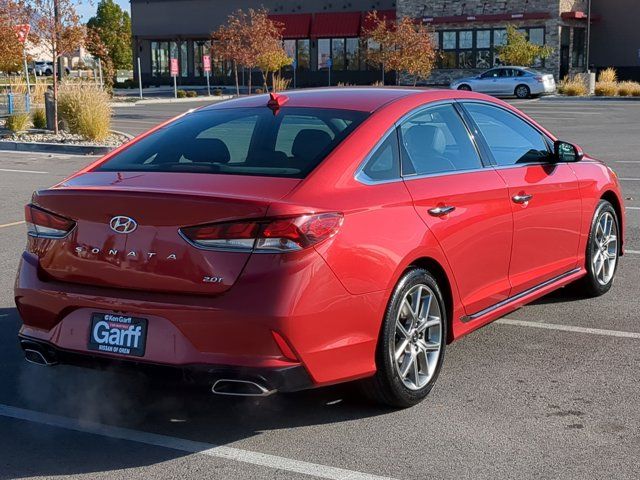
(42, 223)
(275, 235)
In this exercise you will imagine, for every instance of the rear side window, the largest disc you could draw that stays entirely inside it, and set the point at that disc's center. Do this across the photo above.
(384, 162)
(511, 140)
(436, 141)
(243, 141)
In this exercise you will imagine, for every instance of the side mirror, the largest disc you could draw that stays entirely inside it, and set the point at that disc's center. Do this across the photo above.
(567, 152)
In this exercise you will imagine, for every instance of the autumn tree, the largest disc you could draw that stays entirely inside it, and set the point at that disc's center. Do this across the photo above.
(231, 42)
(251, 40)
(518, 50)
(112, 25)
(57, 26)
(96, 46)
(12, 13)
(403, 46)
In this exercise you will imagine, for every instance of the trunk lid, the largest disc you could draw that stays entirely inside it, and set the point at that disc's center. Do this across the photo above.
(154, 256)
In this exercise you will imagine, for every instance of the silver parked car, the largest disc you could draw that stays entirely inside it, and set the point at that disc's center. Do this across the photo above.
(519, 81)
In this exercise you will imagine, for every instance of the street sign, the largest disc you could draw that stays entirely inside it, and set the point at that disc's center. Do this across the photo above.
(329, 62)
(294, 64)
(174, 67)
(22, 31)
(206, 62)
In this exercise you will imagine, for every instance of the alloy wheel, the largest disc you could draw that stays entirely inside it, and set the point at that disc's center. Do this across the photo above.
(604, 251)
(418, 337)
(522, 91)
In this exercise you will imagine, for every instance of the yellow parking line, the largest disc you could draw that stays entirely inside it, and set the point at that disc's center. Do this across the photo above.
(13, 224)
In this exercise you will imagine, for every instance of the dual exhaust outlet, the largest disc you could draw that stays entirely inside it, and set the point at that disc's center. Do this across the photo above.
(34, 353)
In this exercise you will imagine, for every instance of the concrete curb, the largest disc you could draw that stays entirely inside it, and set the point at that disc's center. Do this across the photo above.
(153, 101)
(54, 148)
(588, 99)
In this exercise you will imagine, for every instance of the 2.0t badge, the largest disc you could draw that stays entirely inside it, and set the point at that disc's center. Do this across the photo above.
(122, 224)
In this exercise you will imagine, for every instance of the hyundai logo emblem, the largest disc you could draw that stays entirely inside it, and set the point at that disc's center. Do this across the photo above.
(122, 224)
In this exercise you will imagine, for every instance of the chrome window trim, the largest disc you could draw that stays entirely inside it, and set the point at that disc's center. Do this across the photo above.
(364, 179)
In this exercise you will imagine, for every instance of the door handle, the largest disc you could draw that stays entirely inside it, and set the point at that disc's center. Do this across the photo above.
(522, 198)
(441, 210)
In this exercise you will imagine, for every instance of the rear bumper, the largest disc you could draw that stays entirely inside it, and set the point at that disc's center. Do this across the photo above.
(332, 334)
(283, 379)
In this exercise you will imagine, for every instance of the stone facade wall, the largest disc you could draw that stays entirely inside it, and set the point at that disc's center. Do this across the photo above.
(443, 8)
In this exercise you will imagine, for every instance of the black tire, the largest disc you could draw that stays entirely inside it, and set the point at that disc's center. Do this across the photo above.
(522, 91)
(386, 386)
(589, 285)
(464, 87)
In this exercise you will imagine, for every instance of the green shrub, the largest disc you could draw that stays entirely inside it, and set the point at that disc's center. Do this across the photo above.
(606, 89)
(18, 122)
(86, 112)
(192, 94)
(181, 94)
(259, 90)
(217, 92)
(39, 118)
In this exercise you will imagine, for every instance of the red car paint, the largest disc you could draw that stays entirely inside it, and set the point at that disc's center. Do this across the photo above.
(319, 307)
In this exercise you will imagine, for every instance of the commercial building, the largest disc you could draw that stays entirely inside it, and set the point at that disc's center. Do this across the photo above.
(323, 36)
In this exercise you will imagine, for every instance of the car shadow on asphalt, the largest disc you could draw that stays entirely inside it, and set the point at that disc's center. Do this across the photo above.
(138, 402)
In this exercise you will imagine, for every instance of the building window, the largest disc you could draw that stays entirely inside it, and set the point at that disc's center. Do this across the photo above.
(200, 48)
(449, 40)
(184, 59)
(353, 53)
(337, 53)
(578, 52)
(324, 52)
(343, 52)
(159, 59)
(478, 48)
(304, 55)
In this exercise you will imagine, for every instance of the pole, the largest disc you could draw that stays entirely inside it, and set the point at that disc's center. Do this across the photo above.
(175, 86)
(100, 71)
(208, 85)
(139, 78)
(26, 72)
(588, 35)
(56, 39)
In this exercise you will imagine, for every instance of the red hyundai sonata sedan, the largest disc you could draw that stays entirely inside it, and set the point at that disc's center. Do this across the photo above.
(288, 242)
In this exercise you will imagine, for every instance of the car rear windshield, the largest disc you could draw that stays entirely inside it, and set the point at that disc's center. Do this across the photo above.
(241, 141)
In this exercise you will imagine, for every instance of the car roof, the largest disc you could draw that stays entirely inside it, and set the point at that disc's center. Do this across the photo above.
(367, 99)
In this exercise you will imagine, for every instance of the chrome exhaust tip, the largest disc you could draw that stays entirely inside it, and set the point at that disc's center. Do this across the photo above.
(240, 388)
(36, 357)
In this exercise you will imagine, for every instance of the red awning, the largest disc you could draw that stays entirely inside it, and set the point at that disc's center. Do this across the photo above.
(337, 24)
(487, 17)
(578, 16)
(388, 15)
(295, 25)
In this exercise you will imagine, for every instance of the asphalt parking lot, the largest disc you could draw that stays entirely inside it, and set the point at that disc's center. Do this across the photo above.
(550, 392)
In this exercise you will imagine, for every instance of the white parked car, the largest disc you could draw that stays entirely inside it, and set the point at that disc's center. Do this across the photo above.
(46, 68)
(519, 81)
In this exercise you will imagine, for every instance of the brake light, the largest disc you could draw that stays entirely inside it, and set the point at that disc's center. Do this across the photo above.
(41, 223)
(276, 235)
(540, 79)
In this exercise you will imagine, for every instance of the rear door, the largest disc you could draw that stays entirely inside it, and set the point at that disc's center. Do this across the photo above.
(487, 82)
(465, 205)
(544, 196)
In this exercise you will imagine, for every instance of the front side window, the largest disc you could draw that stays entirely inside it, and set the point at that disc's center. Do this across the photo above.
(242, 141)
(436, 141)
(511, 140)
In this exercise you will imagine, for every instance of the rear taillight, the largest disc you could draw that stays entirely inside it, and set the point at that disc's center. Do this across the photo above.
(540, 79)
(41, 223)
(274, 235)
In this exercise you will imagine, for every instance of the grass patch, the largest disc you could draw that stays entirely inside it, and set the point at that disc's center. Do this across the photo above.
(18, 122)
(86, 112)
